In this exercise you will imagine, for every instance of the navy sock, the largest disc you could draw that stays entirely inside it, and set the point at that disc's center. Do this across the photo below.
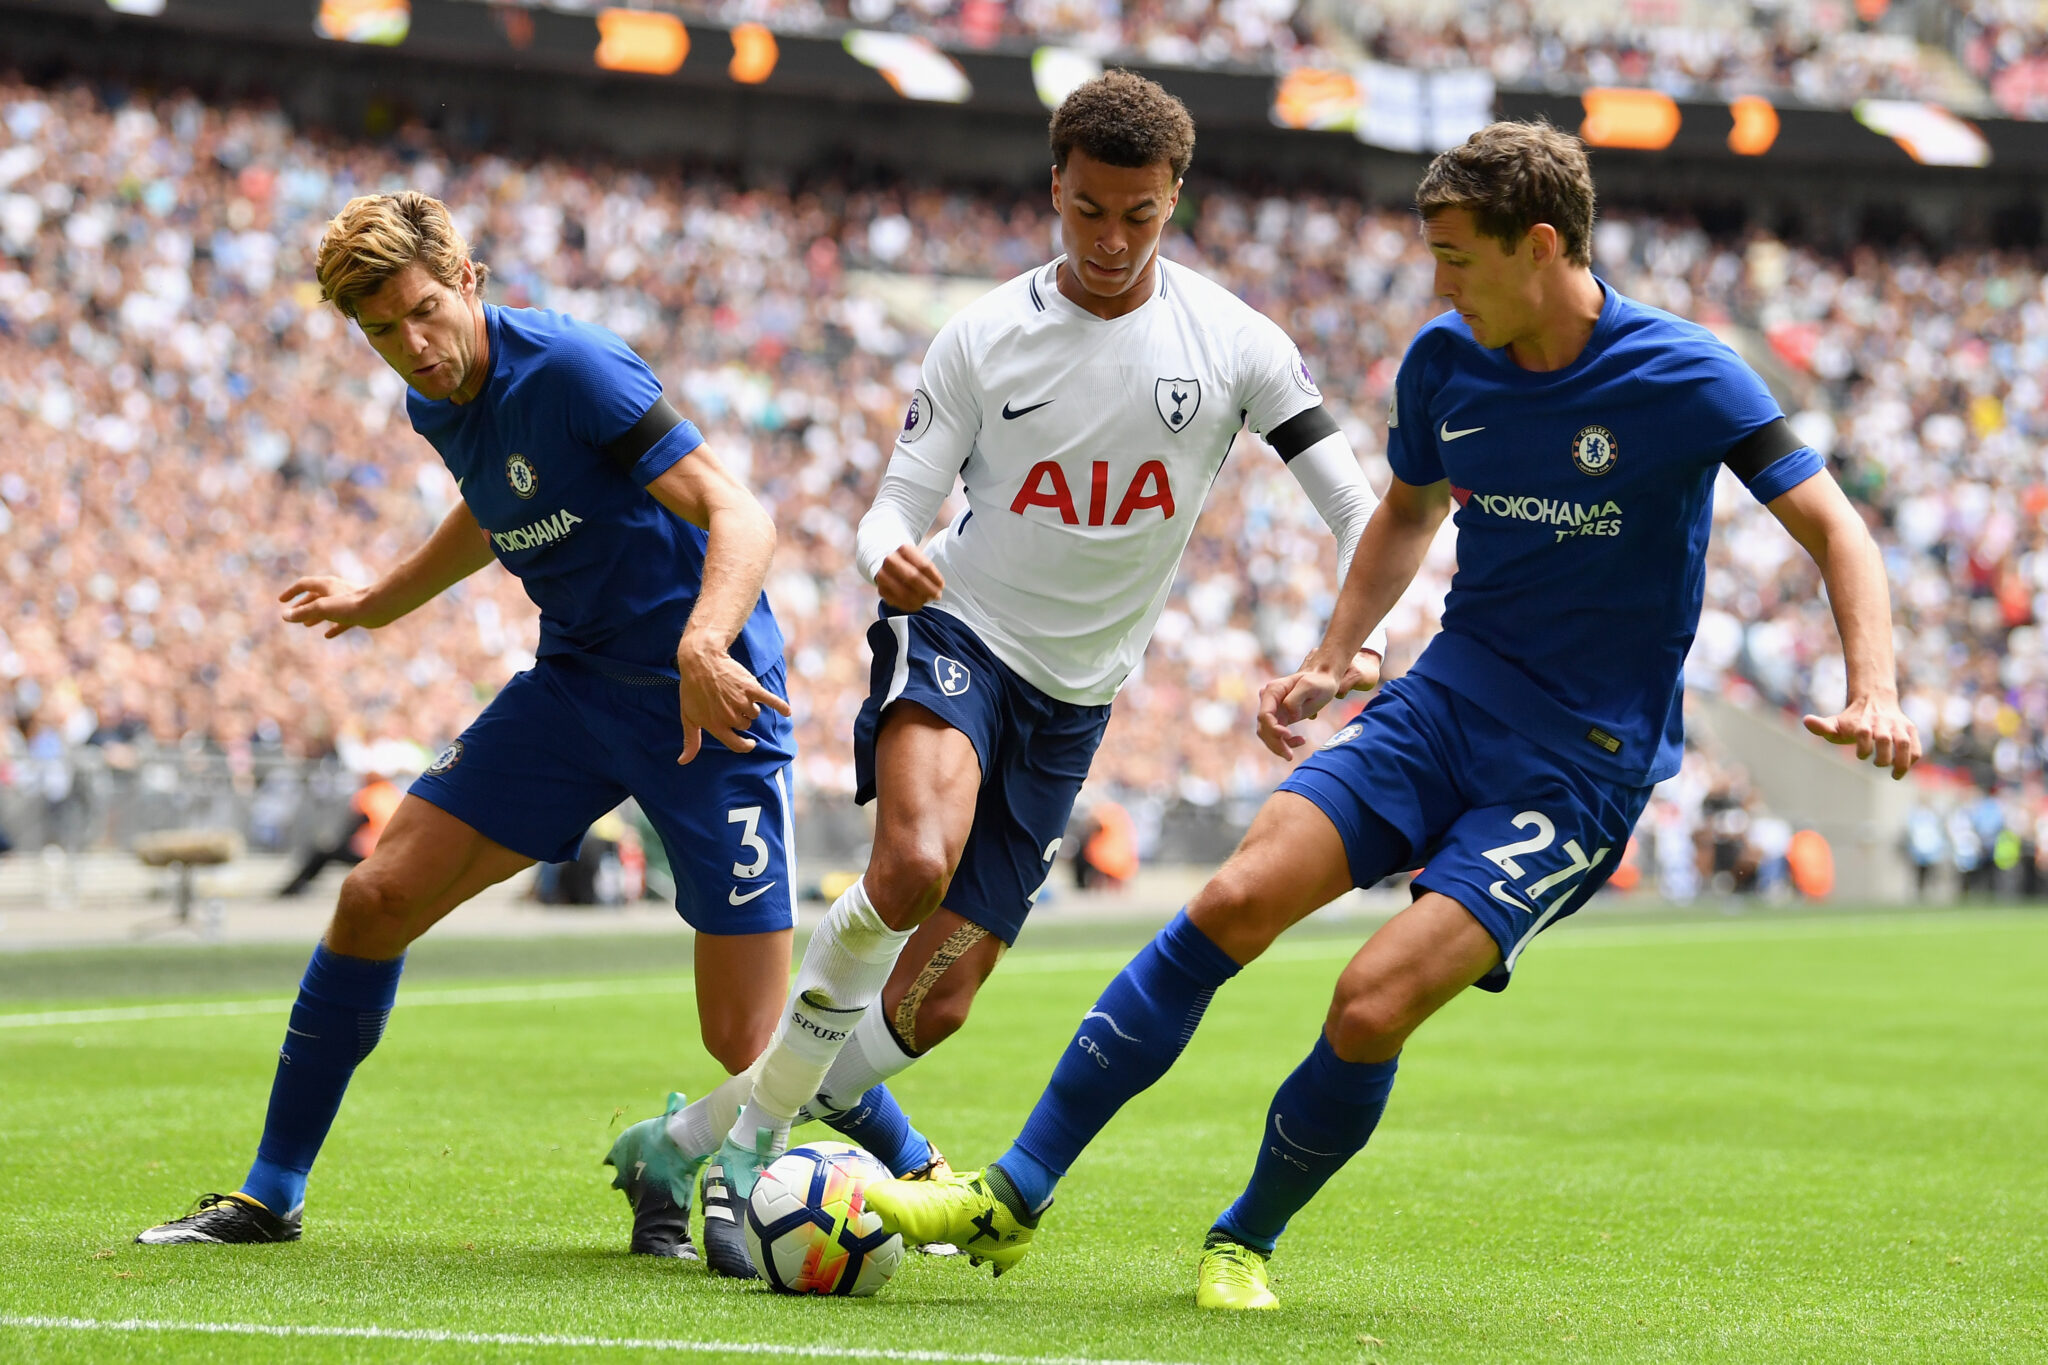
(1137, 1028)
(879, 1124)
(1320, 1116)
(339, 1016)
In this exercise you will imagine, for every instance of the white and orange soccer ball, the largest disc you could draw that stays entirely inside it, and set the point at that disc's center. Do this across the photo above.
(808, 1226)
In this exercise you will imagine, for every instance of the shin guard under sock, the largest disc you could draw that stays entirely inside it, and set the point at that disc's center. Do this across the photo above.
(1136, 1030)
(1321, 1116)
(338, 1018)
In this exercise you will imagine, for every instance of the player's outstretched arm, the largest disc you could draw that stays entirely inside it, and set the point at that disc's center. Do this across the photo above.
(457, 549)
(1820, 518)
(1328, 473)
(1389, 553)
(718, 694)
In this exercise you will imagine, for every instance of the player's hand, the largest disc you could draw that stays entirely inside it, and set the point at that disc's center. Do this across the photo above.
(1362, 676)
(908, 580)
(719, 697)
(1285, 702)
(336, 602)
(1878, 729)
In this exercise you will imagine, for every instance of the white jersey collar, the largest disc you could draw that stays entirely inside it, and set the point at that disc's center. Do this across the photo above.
(1046, 295)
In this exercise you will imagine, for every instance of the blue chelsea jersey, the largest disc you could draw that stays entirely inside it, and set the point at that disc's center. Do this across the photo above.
(547, 458)
(1584, 500)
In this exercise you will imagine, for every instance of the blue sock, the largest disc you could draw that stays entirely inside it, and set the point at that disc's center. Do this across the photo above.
(1137, 1028)
(879, 1124)
(339, 1016)
(1321, 1115)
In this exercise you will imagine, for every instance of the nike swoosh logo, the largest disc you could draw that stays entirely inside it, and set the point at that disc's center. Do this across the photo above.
(1010, 416)
(1098, 1014)
(1447, 434)
(734, 897)
(1499, 891)
(1279, 1128)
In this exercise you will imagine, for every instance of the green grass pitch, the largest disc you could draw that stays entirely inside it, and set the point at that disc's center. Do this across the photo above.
(1817, 1139)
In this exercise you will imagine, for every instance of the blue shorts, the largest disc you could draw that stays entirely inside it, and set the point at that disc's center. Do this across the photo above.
(1034, 752)
(563, 743)
(1514, 833)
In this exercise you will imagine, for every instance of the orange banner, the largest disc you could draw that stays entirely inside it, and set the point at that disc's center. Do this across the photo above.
(641, 40)
(1642, 120)
(754, 54)
(1756, 125)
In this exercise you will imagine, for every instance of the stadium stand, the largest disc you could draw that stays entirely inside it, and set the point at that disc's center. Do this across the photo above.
(187, 431)
(1978, 58)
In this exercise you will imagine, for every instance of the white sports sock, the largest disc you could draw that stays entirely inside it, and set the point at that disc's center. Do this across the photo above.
(844, 967)
(698, 1127)
(871, 1055)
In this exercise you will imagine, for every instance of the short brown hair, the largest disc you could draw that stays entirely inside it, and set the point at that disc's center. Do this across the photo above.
(1122, 119)
(377, 235)
(1512, 176)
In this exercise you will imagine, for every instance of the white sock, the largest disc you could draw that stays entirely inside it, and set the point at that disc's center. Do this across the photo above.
(871, 1055)
(698, 1127)
(844, 968)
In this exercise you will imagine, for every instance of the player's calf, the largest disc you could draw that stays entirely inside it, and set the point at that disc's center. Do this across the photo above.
(931, 989)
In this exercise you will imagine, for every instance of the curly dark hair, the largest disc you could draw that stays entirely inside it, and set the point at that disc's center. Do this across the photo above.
(1122, 119)
(1512, 176)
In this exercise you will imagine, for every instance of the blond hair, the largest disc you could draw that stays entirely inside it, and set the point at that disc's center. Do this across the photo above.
(377, 235)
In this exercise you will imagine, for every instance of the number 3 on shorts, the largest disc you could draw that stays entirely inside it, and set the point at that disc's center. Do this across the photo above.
(750, 840)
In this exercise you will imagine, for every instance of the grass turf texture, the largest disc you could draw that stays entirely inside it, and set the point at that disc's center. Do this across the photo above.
(1812, 1140)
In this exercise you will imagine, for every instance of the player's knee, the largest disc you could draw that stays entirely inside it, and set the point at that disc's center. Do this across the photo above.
(1234, 911)
(373, 916)
(1369, 1026)
(907, 880)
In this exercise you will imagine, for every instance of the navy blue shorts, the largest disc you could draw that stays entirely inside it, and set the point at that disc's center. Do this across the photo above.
(1512, 832)
(563, 743)
(1034, 751)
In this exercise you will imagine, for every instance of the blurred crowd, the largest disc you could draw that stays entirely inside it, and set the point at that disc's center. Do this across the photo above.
(1707, 832)
(1962, 841)
(186, 431)
(1983, 57)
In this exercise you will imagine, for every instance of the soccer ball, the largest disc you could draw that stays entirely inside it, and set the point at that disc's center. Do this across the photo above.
(808, 1228)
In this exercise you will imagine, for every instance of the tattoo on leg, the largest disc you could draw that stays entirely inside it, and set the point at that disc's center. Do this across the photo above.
(951, 951)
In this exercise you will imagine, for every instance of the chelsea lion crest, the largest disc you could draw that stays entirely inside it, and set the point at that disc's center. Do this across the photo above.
(446, 759)
(1344, 736)
(519, 472)
(1593, 450)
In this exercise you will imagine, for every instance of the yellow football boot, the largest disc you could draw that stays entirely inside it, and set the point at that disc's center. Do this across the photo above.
(960, 1209)
(1232, 1276)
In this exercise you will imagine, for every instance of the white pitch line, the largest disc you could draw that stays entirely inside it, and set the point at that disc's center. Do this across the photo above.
(457, 995)
(438, 1336)
(1296, 950)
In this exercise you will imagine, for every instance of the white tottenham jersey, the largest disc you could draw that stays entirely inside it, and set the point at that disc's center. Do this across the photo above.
(1086, 447)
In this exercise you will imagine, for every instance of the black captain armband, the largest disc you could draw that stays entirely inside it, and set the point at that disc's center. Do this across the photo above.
(1301, 431)
(658, 421)
(1761, 449)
